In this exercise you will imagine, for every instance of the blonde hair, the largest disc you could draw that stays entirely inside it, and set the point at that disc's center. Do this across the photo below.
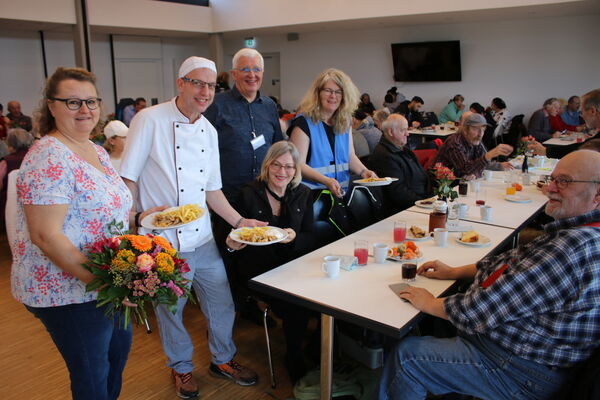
(342, 117)
(277, 150)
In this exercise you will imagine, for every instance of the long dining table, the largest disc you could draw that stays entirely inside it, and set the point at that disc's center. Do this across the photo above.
(362, 296)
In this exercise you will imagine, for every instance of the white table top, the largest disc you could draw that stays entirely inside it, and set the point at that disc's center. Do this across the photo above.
(437, 132)
(363, 293)
(504, 213)
(565, 141)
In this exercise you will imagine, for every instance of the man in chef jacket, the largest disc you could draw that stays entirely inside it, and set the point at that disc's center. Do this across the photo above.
(172, 158)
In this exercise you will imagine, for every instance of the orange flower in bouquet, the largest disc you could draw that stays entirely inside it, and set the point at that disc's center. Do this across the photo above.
(139, 269)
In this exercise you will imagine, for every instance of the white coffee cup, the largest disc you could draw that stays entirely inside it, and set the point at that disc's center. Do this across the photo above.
(331, 266)
(526, 179)
(487, 174)
(462, 210)
(440, 237)
(380, 251)
(486, 213)
(474, 185)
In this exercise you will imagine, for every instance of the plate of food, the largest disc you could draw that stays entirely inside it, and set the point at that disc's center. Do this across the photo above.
(517, 198)
(259, 235)
(172, 218)
(375, 181)
(474, 239)
(417, 234)
(405, 251)
(425, 203)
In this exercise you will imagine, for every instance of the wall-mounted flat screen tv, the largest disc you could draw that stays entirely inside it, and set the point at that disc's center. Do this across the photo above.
(427, 61)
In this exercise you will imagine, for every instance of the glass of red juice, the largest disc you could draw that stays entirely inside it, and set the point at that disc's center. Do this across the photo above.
(399, 231)
(361, 251)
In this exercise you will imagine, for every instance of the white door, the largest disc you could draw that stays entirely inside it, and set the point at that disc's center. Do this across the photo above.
(139, 78)
(271, 83)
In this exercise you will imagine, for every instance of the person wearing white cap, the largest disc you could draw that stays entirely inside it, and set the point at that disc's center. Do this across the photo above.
(171, 158)
(116, 133)
(466, 155)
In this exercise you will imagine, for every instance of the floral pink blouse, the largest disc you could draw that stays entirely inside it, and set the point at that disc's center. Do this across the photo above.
(52, 174)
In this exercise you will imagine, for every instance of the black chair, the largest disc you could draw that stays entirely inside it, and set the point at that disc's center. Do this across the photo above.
(585, 381)
(324, 231)
(515, 132)
(364, 208)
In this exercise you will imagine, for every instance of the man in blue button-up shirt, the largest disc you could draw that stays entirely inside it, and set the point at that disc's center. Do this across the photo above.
(247, 123)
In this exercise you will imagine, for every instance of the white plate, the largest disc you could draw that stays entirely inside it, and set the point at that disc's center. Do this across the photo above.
(483, 241)
(148, 221)
(410, 237)
(280, 233)
(517, 198)
(460, 228)
(363, 182)
(419, 258)
(567, 138)
(419, 203)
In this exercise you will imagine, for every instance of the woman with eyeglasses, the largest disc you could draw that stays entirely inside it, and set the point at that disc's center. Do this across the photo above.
(322, 133)
(68, 195)
(276, 196)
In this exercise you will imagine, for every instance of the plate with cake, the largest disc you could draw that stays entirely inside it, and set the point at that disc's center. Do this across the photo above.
(473, 238)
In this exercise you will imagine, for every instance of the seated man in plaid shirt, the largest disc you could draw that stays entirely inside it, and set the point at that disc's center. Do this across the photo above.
(531, 313)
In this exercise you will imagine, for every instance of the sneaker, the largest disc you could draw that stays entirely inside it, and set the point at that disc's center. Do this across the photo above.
(234, 371)
(186, 386)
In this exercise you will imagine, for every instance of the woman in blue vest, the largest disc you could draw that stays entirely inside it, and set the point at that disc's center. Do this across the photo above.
(322, 133)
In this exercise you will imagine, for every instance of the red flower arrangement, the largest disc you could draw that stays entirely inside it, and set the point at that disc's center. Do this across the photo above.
(137, 269)
(444, 178)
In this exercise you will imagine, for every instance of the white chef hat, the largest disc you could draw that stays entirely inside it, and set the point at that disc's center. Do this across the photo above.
(193, 63)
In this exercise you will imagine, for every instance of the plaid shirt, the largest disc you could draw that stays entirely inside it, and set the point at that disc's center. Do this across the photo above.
(546, 306)
(464, 158)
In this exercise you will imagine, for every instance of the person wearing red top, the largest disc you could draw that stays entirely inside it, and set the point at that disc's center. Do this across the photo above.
(3, 124)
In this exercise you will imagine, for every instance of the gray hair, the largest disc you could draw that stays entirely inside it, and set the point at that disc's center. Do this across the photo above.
(19, 139)
(249, 53)
(380, 115)
(392, 122)
(549, 102)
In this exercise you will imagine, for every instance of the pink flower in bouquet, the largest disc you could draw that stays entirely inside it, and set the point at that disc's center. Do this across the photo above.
(113, 243)
(180, 263)
(176, 289)
(144, 262)
(97, 247)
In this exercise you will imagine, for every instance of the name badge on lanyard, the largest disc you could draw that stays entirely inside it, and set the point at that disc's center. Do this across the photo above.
(258, 141)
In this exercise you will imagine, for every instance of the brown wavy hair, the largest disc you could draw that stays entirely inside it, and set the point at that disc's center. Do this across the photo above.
(45, 119)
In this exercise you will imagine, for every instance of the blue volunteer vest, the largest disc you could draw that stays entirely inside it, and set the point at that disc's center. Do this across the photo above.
(322, 159)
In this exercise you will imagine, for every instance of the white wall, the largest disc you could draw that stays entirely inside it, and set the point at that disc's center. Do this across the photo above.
(522, 61)
(22, 74)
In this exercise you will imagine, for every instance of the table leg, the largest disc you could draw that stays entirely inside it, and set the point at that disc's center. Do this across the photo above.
(326, 356)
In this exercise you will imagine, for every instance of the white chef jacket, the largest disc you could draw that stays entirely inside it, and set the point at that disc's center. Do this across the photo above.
(175, 163)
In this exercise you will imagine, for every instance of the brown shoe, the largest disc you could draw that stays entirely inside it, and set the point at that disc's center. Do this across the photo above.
(186, 386)
(239, 374)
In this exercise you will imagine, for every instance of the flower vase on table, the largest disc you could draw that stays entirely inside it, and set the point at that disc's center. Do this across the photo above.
(444, 180)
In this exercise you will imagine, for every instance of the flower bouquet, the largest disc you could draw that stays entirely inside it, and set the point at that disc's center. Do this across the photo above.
(137, 269)
(444, 178)
(523, 145)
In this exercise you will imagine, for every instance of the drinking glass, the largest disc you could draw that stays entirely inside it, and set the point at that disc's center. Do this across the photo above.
(361, 251)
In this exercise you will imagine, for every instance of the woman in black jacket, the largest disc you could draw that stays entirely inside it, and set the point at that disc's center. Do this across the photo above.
(278, 197)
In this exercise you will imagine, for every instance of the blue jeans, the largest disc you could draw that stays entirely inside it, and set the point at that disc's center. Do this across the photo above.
(94, 347)
(469, 365)
(209, 280)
